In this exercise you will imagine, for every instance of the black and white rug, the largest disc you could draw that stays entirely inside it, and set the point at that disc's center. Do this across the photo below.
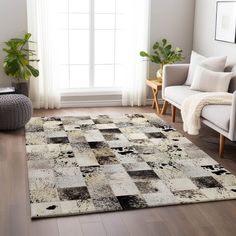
(79, 165)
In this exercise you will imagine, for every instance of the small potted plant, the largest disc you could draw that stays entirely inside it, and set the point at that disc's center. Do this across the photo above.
(17, 62)
(163, 54)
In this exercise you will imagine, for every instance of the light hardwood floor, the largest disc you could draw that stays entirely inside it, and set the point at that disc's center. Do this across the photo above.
(216, 218)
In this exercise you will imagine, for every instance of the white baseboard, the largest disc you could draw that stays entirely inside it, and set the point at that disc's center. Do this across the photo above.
(98, 103)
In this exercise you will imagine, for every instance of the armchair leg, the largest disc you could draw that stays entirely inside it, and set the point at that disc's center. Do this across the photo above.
(173, 111)
(222, 146)
(164, 108)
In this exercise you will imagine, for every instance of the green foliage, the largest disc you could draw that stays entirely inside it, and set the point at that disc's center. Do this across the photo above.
(17, 61)
(163, 53)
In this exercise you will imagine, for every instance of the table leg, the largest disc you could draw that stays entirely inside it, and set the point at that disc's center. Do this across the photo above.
(155, 101)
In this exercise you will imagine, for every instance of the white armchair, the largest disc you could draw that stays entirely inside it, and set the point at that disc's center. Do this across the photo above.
(221, 118)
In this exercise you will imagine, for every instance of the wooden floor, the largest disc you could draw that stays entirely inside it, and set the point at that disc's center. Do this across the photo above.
(217, 218)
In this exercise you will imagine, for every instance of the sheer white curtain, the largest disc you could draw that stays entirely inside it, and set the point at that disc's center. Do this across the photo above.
(44, 90)
(137, 37)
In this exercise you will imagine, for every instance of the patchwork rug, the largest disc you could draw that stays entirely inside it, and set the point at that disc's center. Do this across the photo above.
(79, 165)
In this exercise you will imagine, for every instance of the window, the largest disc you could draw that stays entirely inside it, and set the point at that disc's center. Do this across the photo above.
(90, 43)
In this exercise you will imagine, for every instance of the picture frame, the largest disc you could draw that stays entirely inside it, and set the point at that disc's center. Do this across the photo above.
(225, 26)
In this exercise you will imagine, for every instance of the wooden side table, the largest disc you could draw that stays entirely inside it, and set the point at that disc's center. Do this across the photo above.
(156, 85)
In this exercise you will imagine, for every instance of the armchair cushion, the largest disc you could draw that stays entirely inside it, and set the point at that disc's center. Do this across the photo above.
(177, 94)
(219, 115)
(216, 64)
(210, 81)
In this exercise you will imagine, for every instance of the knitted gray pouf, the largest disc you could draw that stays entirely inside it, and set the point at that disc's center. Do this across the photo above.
(15, 111)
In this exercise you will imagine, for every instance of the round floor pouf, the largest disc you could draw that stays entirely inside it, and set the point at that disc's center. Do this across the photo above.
(15, 111)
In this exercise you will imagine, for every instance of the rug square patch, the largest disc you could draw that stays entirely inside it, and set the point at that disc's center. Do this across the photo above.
(45, 209)
(127, 155)
(206, 182)
(103, 152)
(53, 126)
(73, 193)
(195, 153)
(136, 166)
(51, 119)
(42, 173)
(196, 162)
(135, 136)
(231, 188)
(216, 169)
(79, 206)
(34, 155)
(36, 138)
(67, 171)
(218, 193)
(226, 180)
(132, 202)
(102, 119)
(149, 129)
(173, 150)
(57, 137)
(195, 172)
(59, 151)
(116, 138)
(81, 150)
(155, 135)
(76, 136)
(180, 184)
(93, 176)
(42, 183)
(34, 125)
(152, 186)
(44, 195)
(86, 158)
(107, 160)
(119, 143)
(123, 188)
(108, 127)
(115, 172)
(142, 142)
(160, 199)
(74, 120)
(70, 181)
(68, 128)
(143, 175)
(129, 129)
(167, 170)
(188, 196)
(107, 204)
(100, 190)
(65, 162)
(39, 164)
(96, 145)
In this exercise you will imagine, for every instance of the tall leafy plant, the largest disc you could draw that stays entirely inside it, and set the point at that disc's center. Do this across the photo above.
(17, 61)
(163, 53)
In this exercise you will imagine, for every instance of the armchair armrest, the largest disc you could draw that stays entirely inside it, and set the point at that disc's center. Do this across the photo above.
(175, 74)
(232, 128)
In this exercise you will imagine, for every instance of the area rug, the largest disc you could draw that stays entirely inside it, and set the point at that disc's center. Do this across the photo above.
(90, 164)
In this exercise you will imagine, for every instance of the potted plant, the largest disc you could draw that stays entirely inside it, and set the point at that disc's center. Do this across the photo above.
(17, 62)
(163, 54)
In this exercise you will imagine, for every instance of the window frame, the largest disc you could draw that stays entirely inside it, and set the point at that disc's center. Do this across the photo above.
(92, 89)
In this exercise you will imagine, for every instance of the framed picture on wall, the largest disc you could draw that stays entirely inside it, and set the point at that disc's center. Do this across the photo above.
(225, 29)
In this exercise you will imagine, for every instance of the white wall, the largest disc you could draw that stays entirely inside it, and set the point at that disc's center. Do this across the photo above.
(204, 32)
(13, 22)
(173, 20)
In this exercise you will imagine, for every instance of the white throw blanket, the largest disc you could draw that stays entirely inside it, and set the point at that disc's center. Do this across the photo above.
(192, 108)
